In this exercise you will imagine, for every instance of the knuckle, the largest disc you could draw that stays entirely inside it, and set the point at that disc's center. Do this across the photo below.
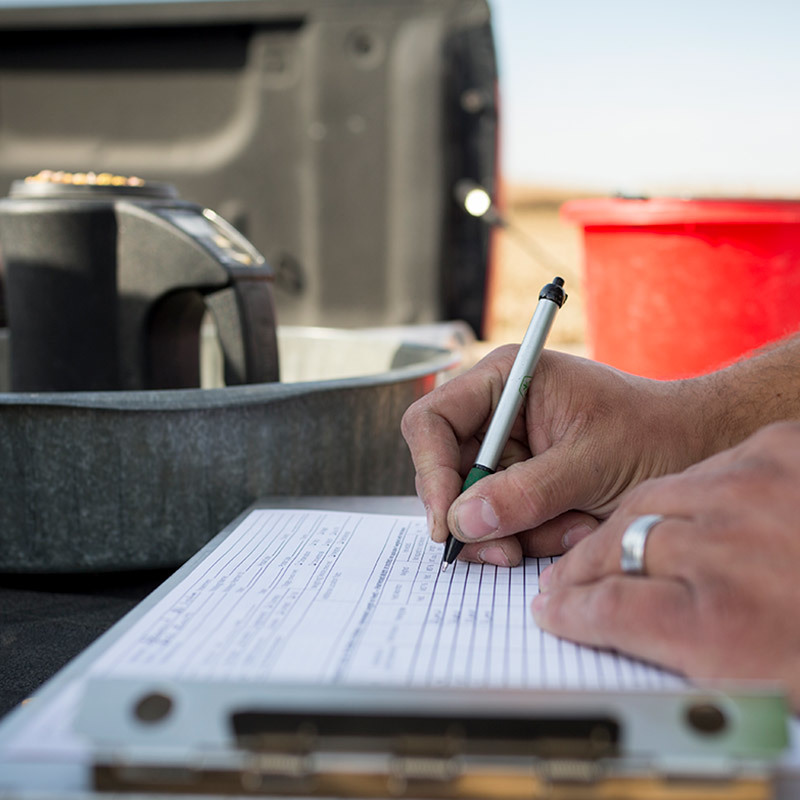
(532, 496)
(411, 417)
(578, 567)
(770, 456)
(525, 503)
(773, 449)
(607, 602)
(773, 442)
(647, 493)
(777, 433)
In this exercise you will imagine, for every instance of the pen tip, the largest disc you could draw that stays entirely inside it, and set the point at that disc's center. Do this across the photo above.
(444, 566)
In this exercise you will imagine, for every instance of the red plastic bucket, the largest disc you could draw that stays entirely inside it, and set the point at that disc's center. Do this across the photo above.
(679, 287)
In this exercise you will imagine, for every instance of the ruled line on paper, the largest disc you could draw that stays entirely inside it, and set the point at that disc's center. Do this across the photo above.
(346, 597)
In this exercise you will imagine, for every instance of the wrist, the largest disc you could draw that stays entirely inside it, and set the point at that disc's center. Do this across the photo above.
(683, 420)
(733, 403)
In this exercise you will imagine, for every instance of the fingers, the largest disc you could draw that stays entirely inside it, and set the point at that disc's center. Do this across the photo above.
(649, 619)
(600, 555)
(524, 496)
(438, 461)
(684, 504)
(505, 552)
(557, 535)
(550, 539)
(441, 431)
(436, 487)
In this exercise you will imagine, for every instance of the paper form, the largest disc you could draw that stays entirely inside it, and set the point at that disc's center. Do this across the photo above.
(333, 597)
(324, 596)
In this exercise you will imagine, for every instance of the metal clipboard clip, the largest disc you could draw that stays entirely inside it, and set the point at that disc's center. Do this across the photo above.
(250, 739)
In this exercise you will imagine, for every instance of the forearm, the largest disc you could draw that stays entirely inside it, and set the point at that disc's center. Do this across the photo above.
(737, 401)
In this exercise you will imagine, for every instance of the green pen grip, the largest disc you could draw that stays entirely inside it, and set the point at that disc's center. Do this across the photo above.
(453, 546)
(474, 475)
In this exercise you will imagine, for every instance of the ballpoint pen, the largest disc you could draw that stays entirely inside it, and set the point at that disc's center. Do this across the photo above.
(551, 298)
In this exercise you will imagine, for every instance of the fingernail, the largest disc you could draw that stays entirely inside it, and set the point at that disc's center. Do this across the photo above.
(539, 605)
(544, 578)
(494, 555)
(475, 519)
(429, 518)
(575, 534)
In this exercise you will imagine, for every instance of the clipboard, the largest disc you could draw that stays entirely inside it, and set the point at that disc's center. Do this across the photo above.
(162, 738)
(224, 738)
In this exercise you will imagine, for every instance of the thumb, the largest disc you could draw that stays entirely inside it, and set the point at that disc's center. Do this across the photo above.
(519, 498)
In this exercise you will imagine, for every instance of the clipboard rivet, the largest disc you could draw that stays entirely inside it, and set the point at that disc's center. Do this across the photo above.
(706, 718)
(153, 707)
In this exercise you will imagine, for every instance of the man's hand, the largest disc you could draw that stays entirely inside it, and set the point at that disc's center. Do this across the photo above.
(721, 593)
(586, 434)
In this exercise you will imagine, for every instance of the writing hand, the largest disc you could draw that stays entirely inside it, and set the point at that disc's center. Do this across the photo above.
(585, 435)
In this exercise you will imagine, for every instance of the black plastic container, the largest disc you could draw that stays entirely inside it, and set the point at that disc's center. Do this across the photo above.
(106, 287)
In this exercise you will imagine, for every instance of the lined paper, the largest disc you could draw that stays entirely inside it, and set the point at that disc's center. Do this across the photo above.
(337, 597)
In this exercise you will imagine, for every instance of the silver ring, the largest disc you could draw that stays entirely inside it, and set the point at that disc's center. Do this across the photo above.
(633, 543)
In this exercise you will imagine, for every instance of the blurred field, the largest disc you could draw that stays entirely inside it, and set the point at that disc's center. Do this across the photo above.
(534, 248)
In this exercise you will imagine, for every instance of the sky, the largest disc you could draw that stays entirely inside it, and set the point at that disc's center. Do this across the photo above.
(651, 96)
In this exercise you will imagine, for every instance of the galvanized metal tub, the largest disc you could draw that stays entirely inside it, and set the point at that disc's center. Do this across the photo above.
(130, 480)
